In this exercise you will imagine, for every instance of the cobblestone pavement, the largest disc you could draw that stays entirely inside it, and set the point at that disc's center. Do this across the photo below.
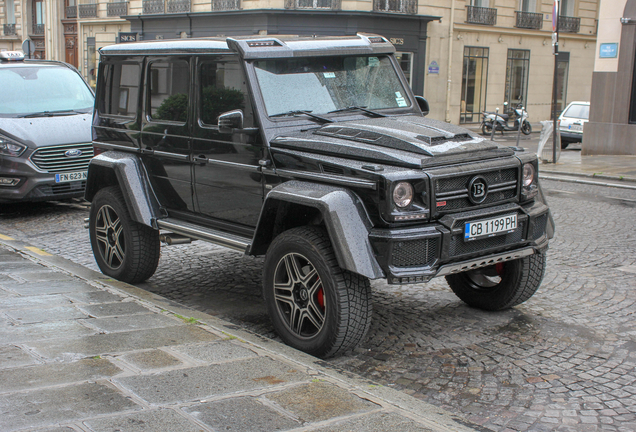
(565, 360)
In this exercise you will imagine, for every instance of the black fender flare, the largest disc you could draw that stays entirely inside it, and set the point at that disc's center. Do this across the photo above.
(126, 171)
(343, 215)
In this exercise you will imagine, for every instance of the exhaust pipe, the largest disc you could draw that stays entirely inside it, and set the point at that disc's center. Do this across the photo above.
(174, 239)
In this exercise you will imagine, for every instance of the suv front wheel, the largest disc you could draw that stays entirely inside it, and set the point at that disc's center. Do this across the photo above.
(124, 249)
(314, 305)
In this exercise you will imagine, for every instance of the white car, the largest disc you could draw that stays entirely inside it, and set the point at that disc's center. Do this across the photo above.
(571, 120)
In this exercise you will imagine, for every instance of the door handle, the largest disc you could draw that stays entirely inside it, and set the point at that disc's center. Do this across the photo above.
(200, 160)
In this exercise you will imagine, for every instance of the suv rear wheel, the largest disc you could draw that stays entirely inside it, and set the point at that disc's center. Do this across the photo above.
(500, 286)
(314, 305)
(124, 249)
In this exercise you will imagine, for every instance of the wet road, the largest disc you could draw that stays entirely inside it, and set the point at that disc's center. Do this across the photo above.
(564, 360)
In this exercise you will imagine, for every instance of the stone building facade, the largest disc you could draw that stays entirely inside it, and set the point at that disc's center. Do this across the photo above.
(464, 56)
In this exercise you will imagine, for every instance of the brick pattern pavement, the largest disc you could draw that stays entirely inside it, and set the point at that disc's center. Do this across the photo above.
(563, 361)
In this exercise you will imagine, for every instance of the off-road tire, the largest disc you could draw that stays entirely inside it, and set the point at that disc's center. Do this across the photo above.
(518, 281)
(124, 249)
(346, 296)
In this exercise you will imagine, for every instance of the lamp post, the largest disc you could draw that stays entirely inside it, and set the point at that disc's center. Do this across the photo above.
(555, 51)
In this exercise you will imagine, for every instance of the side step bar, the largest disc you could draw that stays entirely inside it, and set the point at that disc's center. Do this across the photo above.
(207, 234)
(483, 262)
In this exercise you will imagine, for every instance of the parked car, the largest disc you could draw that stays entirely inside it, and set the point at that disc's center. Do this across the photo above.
(313, 152)
(572, 120)
(45, 129)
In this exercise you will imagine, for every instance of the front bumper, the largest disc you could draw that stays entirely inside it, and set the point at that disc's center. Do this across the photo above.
(570, 136)
(34, 185)
(419, 254)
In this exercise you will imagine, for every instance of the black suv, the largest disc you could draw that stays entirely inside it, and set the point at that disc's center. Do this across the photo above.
(314, 152)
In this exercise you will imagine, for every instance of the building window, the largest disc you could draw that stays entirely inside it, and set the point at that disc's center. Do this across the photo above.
(91, 62)
(528, 5)
(563, 66)
(566, 8)
(9, 7)
(401, 6)
(474, 81)
(38, 17)
(517, 77)
(405, 60)
(169, 89)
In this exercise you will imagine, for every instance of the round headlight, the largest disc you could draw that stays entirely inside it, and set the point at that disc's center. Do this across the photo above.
(403, 194)
(528, 174)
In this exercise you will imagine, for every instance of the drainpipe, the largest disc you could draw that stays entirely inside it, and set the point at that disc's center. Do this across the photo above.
(450, 60)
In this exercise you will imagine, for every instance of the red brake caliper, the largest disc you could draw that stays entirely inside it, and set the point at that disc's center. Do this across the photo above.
(321, 297)
(499, 268)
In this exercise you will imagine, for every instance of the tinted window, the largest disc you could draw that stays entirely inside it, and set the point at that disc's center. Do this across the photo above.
(223, 88)
(121, 89)
(34, 89)
(169, 84)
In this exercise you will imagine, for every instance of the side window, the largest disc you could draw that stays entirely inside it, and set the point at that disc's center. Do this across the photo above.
(168, 84)
(222, 88)
(120, 90)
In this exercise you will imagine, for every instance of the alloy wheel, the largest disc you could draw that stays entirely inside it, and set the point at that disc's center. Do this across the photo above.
(299, 295)
(109, 233)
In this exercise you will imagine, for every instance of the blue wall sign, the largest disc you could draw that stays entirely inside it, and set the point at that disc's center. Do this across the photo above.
(433, 68)
(608, 50)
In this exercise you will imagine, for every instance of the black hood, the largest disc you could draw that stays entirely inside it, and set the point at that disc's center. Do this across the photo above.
(411, 141)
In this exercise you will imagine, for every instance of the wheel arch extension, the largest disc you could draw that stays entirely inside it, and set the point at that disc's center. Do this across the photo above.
(296, 203)
(127, 172)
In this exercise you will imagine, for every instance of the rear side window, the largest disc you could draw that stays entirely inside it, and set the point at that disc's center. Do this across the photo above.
(169, 84)
(578, 111)
(121, 89)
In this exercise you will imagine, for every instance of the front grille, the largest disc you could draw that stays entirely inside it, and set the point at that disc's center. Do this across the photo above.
(539, 226)
(451, 193)
(414, 253)
(53, 159)
(458, 246)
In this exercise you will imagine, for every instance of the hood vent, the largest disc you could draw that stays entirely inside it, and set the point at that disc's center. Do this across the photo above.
(330, 169)
(350, 133)
(441, 140)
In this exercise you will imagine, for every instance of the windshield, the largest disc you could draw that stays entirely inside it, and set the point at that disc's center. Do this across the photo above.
(578, 111)
(324, 84)
(28, 90)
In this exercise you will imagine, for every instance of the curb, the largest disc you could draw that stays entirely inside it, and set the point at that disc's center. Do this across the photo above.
(617, 178)
(430, 416)
(586, 182)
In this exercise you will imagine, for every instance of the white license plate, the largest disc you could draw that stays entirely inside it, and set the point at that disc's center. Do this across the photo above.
(490, 227)
(576, 127)
(71, 176)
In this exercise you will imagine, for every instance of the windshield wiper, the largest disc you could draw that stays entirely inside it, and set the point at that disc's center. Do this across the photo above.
(305, 112)
(52, 113)
(359, 108)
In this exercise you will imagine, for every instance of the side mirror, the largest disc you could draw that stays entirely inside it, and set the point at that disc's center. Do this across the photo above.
(423, 103)
(230, 120)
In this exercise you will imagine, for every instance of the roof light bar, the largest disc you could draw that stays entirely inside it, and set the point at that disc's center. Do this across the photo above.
(265, 43)
(12, 55)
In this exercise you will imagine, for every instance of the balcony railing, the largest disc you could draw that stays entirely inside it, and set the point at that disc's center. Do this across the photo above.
(529, 20)
(117, 9)
(9, 29)
(70, 12)
(38, 29)
(87, 10)
(481, 15)
(221, 5)
(399, 6)
(569, 24)
(313, 4)
(166, 6)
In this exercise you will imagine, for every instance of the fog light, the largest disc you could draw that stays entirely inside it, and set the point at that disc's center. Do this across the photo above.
(9, 182)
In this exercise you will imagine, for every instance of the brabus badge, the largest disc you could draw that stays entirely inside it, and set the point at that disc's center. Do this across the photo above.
(73, 153)
(477, 189)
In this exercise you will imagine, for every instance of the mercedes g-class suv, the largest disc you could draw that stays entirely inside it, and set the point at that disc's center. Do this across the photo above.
(313, 152)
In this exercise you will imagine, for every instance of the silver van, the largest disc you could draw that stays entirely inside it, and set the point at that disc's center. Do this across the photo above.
(45, 129)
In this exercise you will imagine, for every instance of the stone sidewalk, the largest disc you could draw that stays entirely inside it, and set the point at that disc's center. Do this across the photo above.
(81, 352)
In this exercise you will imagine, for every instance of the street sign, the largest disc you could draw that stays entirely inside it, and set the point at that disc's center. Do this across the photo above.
(28, 47)
(555, 15)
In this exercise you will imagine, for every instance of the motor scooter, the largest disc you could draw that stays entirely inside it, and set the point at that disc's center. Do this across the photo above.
(502, 121)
